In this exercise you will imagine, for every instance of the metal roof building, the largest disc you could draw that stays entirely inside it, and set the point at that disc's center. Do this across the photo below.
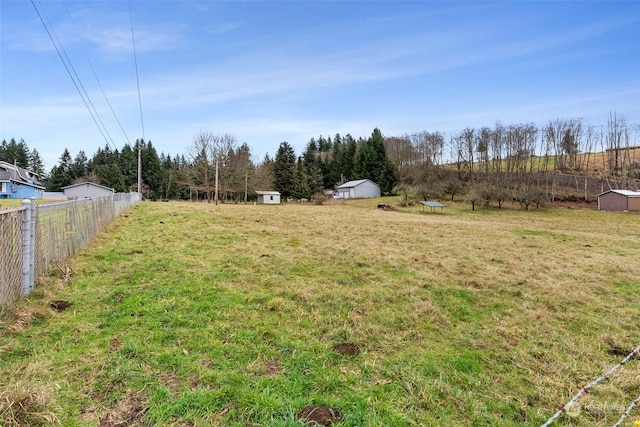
(619, 200)
(86, 190)
(359, 189)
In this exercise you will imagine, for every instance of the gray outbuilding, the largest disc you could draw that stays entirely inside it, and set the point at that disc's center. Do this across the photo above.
(619, 200)
(86, 190)
(268, 197)
(359, 189)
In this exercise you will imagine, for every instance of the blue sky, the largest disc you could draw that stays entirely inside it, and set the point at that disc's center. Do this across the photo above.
(273, 71)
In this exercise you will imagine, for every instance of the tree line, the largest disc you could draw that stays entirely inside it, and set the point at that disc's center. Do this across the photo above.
(216, 167)
(18, 153)
(564, 159)
(487, 165)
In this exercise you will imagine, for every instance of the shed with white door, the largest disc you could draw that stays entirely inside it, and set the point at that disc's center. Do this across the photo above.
(268, 197)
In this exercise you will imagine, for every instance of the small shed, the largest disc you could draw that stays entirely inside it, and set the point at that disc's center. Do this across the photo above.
(619, 200)
(268, 197)
(359, 189)
(86, 190)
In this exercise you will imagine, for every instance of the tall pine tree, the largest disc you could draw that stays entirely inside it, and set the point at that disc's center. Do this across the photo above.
(372, 163)
(284, 170)
(36, 164)
(16, 153)
(61, 174)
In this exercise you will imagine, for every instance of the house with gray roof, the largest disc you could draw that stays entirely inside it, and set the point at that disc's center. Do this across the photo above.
(19, 183)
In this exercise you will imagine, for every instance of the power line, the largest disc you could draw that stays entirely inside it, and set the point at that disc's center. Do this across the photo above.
(76, 82)
(97, 79)
(135, 59)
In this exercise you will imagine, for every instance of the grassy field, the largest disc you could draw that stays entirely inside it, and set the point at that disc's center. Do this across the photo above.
(241, 315)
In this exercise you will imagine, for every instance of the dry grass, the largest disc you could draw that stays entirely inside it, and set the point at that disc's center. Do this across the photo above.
(231, 314)
(22, 406)
(18, 317)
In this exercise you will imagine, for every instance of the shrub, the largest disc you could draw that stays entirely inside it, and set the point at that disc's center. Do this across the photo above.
(319, 198)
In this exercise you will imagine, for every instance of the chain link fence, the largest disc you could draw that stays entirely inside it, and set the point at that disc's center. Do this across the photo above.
(10, 254)
(30, 248)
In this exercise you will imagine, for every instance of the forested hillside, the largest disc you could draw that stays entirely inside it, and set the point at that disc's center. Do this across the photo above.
(563, 160)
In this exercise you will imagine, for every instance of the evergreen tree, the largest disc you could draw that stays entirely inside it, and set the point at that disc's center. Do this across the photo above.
(347, 159)
(104, 156)
(15, 153)
(79, 167)
(36, 165)
(151, 170)
(129, 166)
(60, 175)
(330, 166)
(170, 171)
(312, 170)
(372, 163)
(301, 188)
(110, 176)
(389, 178)
(284, 169)
(240, 171)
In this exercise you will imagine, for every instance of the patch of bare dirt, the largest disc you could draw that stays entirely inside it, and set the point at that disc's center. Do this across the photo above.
(59, 305)
(615, 349)
(319, 415)
(125, 412)
(115, 345)
(347, 348)
(272, 367)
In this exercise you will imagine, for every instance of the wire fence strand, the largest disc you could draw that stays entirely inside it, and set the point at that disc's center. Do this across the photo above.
(627, 411)
(584, 389)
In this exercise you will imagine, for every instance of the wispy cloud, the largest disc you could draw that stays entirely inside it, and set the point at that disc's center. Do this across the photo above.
(224, 27)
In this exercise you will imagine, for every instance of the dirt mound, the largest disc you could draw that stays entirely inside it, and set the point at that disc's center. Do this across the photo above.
(319, 415)
(59, 305)
(347, 348)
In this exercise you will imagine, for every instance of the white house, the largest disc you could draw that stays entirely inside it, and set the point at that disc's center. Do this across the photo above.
(359, 189)
(86, 190)
(268, 197)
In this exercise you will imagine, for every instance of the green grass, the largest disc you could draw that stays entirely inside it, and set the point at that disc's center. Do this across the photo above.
(193, 314)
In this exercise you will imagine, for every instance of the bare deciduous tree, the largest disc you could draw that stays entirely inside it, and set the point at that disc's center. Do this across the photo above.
(209, 153)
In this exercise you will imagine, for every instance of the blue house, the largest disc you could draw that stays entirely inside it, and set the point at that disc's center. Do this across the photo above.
(18, 183)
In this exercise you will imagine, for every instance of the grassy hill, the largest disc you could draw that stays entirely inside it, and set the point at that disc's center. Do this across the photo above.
(241, 315)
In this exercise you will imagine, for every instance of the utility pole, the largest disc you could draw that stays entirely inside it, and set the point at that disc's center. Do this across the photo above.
(215, 197)
(139, 168)
(246, 184)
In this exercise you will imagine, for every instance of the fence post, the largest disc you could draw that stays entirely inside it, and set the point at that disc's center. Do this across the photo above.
(28, 245)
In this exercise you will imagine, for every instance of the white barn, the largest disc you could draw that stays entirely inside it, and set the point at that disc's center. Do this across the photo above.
(268, 197)
(359, 189)
(86, 190)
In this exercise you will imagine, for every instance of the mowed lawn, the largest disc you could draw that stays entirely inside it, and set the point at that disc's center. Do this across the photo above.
(241, 315)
